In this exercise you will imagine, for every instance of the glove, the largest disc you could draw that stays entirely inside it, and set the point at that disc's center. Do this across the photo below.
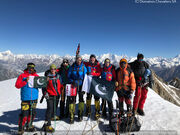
(83, 92)
(129, 94)
(88, 73)
(119, 93)
(46, 96)
(74, 83)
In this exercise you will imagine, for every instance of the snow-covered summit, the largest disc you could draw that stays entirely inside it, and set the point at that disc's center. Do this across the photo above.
(161, 115)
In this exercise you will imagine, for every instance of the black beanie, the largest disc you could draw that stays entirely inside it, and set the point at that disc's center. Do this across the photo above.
(92, 55)
(140, 56)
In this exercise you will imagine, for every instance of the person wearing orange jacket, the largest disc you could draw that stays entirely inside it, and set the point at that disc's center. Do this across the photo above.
(52, 94)
(94, 69)
(125, 86)
(29, 97)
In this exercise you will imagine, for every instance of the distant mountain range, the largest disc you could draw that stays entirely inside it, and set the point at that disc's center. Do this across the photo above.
(11, 65)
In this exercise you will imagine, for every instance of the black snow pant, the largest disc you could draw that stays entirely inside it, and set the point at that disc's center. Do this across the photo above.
(52, 104)
(27, 115)
(110, 107)
(64, 110)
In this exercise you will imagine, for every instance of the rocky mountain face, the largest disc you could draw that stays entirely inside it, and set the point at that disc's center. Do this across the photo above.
(175, 82)
(165, 90)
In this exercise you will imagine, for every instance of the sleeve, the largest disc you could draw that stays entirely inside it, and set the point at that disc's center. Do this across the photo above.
(114, 74)
(69, 75)
(85, 71)
(132, 81)
(20, 82)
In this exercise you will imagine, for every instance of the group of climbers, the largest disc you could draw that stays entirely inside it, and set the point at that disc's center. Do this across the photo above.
(129, 77)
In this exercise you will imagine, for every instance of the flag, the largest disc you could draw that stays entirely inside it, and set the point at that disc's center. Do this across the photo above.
(87, 83)
(71, 90)
(99, 87)
(40, 82)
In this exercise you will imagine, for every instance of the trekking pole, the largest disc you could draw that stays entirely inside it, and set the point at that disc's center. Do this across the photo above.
(55, 112)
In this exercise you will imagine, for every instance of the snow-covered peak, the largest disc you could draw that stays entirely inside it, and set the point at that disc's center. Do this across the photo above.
(156, 62)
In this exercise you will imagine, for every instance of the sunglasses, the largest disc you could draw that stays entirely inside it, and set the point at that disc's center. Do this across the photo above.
(53, 69)
(123, 62)
(65, 62)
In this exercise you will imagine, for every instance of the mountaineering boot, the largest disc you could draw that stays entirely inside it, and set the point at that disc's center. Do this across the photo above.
(20, 130)
(121, 109)
(47, 128)
(129, 110)
(97, 109)
(56, 118)
(31, 128)
(21, 125)
(140, 112)
(80, 111)
(71, 113)
(88, 107)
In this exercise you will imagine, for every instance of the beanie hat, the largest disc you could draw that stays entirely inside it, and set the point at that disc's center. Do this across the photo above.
(123, 60)
(107, 60)
(65, 61)
(78, 56)
(140, 56)
(30, 65)
(92, 55)
(53, 66)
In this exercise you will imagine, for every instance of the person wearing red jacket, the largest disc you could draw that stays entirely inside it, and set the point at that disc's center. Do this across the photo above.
(29, 97)
(52, 94)
(94, 69)
(108, 73)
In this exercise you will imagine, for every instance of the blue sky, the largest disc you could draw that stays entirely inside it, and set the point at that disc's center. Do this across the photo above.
(101, 26)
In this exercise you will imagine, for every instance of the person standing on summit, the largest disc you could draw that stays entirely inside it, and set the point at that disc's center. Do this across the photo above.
(52, 94)
(76, 74)
(29, 97)
(143, 80)
(94, 69)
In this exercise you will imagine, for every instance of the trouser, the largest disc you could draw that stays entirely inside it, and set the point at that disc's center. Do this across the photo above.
(122, 96)
(88, 103)
(72, 101)
(110, 107)
(52, 104)
(140, 97)
(64, 108)
(27, 115)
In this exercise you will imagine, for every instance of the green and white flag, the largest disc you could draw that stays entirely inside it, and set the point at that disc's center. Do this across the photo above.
(40, 82)
(37, 81)
(99, 87)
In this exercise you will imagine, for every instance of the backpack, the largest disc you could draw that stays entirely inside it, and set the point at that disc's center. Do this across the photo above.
(139, 69)
(125, 124)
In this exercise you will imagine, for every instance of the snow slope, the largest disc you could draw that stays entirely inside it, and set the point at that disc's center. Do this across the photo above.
(161, 115)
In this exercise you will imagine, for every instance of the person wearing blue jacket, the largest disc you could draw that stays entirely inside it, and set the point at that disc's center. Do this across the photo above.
(29, 97)
(76, 76)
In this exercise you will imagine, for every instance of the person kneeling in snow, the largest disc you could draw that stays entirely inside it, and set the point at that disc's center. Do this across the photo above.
(29, 98)
(52, 94)
(125, 86)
